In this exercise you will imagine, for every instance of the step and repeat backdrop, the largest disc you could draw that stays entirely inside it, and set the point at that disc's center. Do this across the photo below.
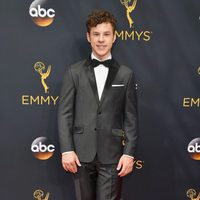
(158, 39)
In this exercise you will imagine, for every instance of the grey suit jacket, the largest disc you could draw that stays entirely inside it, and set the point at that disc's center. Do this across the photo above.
(88, 126)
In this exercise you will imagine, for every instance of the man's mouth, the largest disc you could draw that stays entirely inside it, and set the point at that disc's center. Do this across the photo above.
(101, 47)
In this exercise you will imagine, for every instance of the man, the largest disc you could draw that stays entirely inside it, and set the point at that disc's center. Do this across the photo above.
(97, 116)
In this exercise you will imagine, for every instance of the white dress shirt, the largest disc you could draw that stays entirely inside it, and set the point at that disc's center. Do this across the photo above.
(101, 73)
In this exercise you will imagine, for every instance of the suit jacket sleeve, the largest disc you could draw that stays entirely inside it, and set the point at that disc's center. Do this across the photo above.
(130, 118)
(66, 113)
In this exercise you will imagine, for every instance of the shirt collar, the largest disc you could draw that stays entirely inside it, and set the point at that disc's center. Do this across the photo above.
(94, 57)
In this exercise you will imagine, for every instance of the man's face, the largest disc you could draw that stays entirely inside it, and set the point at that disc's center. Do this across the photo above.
(101, 39)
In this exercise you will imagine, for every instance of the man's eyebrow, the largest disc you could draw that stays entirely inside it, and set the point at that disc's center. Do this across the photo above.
(107, 32)
(103, 32)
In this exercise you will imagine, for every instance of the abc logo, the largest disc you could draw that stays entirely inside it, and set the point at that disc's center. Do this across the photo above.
(194, 149)
(41, 12)
(41, 15)
(42, 149)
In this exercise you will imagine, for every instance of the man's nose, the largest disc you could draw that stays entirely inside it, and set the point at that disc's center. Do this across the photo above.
(101, 38)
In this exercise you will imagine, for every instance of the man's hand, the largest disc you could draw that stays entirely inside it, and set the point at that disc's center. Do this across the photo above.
(70, 162)
(126, 165)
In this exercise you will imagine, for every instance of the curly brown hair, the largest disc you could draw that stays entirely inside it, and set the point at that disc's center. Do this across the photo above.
(98, 17)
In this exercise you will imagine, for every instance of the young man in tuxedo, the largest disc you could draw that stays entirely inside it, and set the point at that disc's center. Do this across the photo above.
(97, 116)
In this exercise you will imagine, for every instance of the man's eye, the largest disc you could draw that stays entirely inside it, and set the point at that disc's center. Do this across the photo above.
(95, 34)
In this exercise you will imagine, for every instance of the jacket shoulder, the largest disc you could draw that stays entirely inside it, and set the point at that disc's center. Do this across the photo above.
(76, 70)
(77, 66)
(126, 71)
(123, 68)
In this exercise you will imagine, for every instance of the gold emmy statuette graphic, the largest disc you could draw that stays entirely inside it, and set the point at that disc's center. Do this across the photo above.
(38, 194)
(40, 67)
(129, 10)
(191, 193)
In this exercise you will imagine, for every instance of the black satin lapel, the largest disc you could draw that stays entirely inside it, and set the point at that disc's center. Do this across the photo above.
(91, 77)
(111, 75)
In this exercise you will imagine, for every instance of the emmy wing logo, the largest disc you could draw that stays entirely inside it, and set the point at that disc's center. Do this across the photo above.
(39, 194)
(130, 33)
(189, 102)
(129, 10)
(45, 99)
(191, 193)
(40, 68)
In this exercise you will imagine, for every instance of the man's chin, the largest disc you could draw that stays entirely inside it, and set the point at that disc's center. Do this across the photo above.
(102, 55)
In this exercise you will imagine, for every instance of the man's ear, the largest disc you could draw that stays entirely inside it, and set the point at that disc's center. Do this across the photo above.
(88, 37)
(114, 37)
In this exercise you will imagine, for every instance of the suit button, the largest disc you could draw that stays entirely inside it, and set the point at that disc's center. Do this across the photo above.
(99, 113)
(95, 129)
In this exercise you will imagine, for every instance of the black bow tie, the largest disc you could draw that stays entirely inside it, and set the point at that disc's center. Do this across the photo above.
(106, 63)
